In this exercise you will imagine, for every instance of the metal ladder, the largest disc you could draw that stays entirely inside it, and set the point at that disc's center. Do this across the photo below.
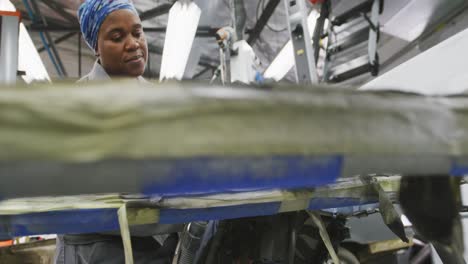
(346, 53)
(305, 70)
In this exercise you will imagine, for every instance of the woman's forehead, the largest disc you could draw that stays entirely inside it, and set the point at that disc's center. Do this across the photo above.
(123, 19)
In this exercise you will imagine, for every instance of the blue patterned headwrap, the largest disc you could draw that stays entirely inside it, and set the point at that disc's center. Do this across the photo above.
(92, 14)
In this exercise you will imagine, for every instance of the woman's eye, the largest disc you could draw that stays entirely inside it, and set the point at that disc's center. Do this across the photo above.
(116, 38)
(137, 34)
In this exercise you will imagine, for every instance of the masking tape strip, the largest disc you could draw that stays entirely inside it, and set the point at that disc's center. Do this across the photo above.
(134, 216)
(125, 233)
(324, 234)
(294, 205)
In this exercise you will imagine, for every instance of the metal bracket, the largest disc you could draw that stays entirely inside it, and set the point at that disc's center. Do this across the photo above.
(374, 33)
(389, 214)
(371, 24)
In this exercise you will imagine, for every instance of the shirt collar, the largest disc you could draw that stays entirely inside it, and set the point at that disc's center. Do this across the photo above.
(99, 74)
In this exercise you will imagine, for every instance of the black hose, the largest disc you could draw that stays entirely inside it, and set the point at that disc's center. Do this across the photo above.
(292, 237)
(216, 243)
(190, 242)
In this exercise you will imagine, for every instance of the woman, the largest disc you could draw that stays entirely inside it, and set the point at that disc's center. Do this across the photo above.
(113, 30)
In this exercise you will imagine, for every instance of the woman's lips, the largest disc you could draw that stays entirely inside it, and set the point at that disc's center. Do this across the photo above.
(135, 59)
(136, 62)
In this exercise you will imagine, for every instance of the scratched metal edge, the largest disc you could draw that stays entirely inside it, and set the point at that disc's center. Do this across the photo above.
(103, 220)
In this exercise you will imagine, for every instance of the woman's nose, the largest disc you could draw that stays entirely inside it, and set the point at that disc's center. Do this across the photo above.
(132, 44)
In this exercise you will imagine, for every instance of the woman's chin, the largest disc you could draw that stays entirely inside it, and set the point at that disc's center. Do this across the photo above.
(135, 68)
(135, 72)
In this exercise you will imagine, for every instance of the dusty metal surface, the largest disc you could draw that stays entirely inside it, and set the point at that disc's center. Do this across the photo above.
(102, 121)
(350, 189)
(100, 138)
(72, 214)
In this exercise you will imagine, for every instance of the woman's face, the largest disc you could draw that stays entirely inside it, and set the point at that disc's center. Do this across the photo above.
(122, 48)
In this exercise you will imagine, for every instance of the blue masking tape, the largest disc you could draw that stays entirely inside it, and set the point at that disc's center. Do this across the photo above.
(210, 175)
(459, 168)
(59, 222)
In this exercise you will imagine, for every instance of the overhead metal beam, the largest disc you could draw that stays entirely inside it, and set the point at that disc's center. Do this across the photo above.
(155, 12)
(59, 9)
(202, 32)
(145, 15)
(59, 40)
(207, 65)
(204, 62)
(254, 34)
(203, 71)
(50, 20)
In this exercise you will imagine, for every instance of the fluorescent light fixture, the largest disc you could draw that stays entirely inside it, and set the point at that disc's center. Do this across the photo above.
(180, 34)
(284, 61)
(28, 57)
(6, 5)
